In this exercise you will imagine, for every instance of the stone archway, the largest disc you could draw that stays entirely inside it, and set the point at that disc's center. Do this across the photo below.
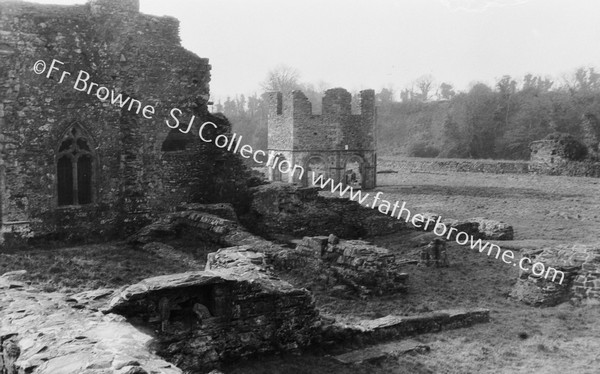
(354, 172)
(315, 166)
(277, 174)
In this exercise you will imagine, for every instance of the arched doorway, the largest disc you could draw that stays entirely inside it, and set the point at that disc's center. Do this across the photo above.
(353, 175)
(280, 165)
(316, 166)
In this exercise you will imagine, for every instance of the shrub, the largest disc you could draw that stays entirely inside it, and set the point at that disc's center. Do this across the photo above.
(423, 149)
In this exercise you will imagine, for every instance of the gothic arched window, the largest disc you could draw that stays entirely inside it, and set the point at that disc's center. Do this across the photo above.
(75, 169)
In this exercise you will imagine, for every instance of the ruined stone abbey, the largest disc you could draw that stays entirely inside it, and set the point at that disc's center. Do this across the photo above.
(336, 144)
(72, 165)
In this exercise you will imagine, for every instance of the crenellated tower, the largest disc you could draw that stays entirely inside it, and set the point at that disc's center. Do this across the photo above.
(337, 143)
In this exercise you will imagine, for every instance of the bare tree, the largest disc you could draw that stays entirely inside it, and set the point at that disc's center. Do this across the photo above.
(282, 78)
(424, 84)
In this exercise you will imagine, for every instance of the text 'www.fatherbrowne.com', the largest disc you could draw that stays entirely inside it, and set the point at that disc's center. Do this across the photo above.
(83, 83)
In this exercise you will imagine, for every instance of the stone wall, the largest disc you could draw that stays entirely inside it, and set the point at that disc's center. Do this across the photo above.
(133, 174)
(280, 209)
(428, 165)
(579, 262)
(415, 164)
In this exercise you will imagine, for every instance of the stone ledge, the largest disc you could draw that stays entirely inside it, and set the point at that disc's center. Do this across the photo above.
(393, 327)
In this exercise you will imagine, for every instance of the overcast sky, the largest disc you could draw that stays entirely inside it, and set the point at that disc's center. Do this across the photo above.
(360, 44)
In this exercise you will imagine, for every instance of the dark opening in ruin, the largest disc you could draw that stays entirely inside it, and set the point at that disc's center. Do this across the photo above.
(278, 175)
(65, 181)
(315, 166)
(84, 179)
(353, 172)
(176, 141)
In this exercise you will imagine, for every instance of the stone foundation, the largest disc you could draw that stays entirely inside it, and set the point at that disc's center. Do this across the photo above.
(365, 268)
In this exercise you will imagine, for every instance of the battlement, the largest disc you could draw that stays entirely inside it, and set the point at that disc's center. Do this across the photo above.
(105, 16)
(336, 102)
(112, 6)
(336, 143)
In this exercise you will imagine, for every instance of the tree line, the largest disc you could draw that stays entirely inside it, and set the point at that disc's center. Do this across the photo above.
(434, 120)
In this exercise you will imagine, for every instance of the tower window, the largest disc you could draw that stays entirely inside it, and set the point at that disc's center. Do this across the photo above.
(75, 169)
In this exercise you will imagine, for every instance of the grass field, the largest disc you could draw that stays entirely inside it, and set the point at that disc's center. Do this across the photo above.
(519, 338)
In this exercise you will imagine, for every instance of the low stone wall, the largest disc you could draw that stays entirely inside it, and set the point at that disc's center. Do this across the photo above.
(570, 168)
(393, 327)
(427, 165)
(452, 165)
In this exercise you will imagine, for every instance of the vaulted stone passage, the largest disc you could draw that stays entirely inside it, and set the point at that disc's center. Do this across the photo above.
(205, 317)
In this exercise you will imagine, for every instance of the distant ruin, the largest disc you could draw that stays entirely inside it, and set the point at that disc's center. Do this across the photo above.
(557, 149)
(560, 153)
(336, 144)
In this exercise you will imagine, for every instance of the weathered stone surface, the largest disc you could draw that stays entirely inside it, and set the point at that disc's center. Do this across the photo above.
(204, 317)
(283, 209)
(41, 333)
(580, 264)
